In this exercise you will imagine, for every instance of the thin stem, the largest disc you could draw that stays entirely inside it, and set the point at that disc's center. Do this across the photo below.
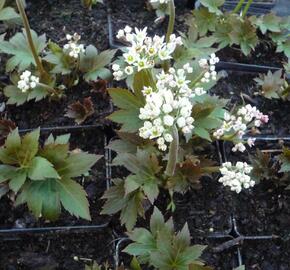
(170, 29)
(50, 89)
(244, 13)
(173, 153)
(211, 169)
(29, 36)
(238, 6)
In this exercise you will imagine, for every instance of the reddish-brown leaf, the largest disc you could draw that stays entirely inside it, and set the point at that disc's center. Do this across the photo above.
(80, 111)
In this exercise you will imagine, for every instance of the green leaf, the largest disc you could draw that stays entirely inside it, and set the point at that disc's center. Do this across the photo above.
(93, 64)
(42, 198)
(268, 22)
(284, 47)
(156, 221)
(143, 78)
(244, 35)
(202, 133)
(17, 180)
(130, 106)
(213, 5)
(41, 169)
(73, 198)
(8, 13)
(6, 172)
(14, 153)
(15, 95)
(76, 164)
(204, 21)
(18, 47)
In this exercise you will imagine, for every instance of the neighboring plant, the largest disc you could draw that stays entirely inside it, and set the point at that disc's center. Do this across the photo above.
(40, 69)
(273, 85)
(80, 111)
(214, 26)
(267, 167)
(164, 249)
(42, 176)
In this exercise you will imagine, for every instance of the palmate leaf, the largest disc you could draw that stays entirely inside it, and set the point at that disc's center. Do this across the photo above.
(17, 97)
(129, 205)
(208, 114)
(18, 47)
(17, 151)
(244, 34)
(223, 30)
(284, 47)
(44, 198)
(271, 84)
(93, 64)
(80, 111)
(6, 126)
(7, 13)
(62, 63)
(203, 20)
(129, 105)
(268, 22)
(213, 5)
(161, 247)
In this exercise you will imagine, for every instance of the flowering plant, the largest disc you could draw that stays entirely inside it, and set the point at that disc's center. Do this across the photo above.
(40, 69)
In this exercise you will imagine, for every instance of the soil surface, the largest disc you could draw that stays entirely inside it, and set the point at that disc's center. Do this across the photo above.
(264, 210)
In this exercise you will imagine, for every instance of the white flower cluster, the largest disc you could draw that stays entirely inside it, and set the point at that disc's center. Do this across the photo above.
(159, 1)
(27, 81)
(236, 177)
(167, 105)
(144, 51)
(209, 67)
(239, 124)
(72, 47)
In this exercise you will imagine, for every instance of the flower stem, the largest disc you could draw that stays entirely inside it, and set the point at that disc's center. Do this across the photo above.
(238, 6)
(170, 29)
(29, 37)
(173, 153)
(50, 89)
(244, 13)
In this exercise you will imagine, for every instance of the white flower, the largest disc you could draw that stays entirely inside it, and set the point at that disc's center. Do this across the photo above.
(168, 137)
(145, 51)
(72, 48)
(129, 70)
(239, 147)
(236, 177)
(168, 120)
(27, 81)
(167, 105)
(115, 67)
(181, 122)
(251, 142)
(127, 29)
(120, 34)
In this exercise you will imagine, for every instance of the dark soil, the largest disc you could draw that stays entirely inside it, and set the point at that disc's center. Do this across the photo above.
(136, 14)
